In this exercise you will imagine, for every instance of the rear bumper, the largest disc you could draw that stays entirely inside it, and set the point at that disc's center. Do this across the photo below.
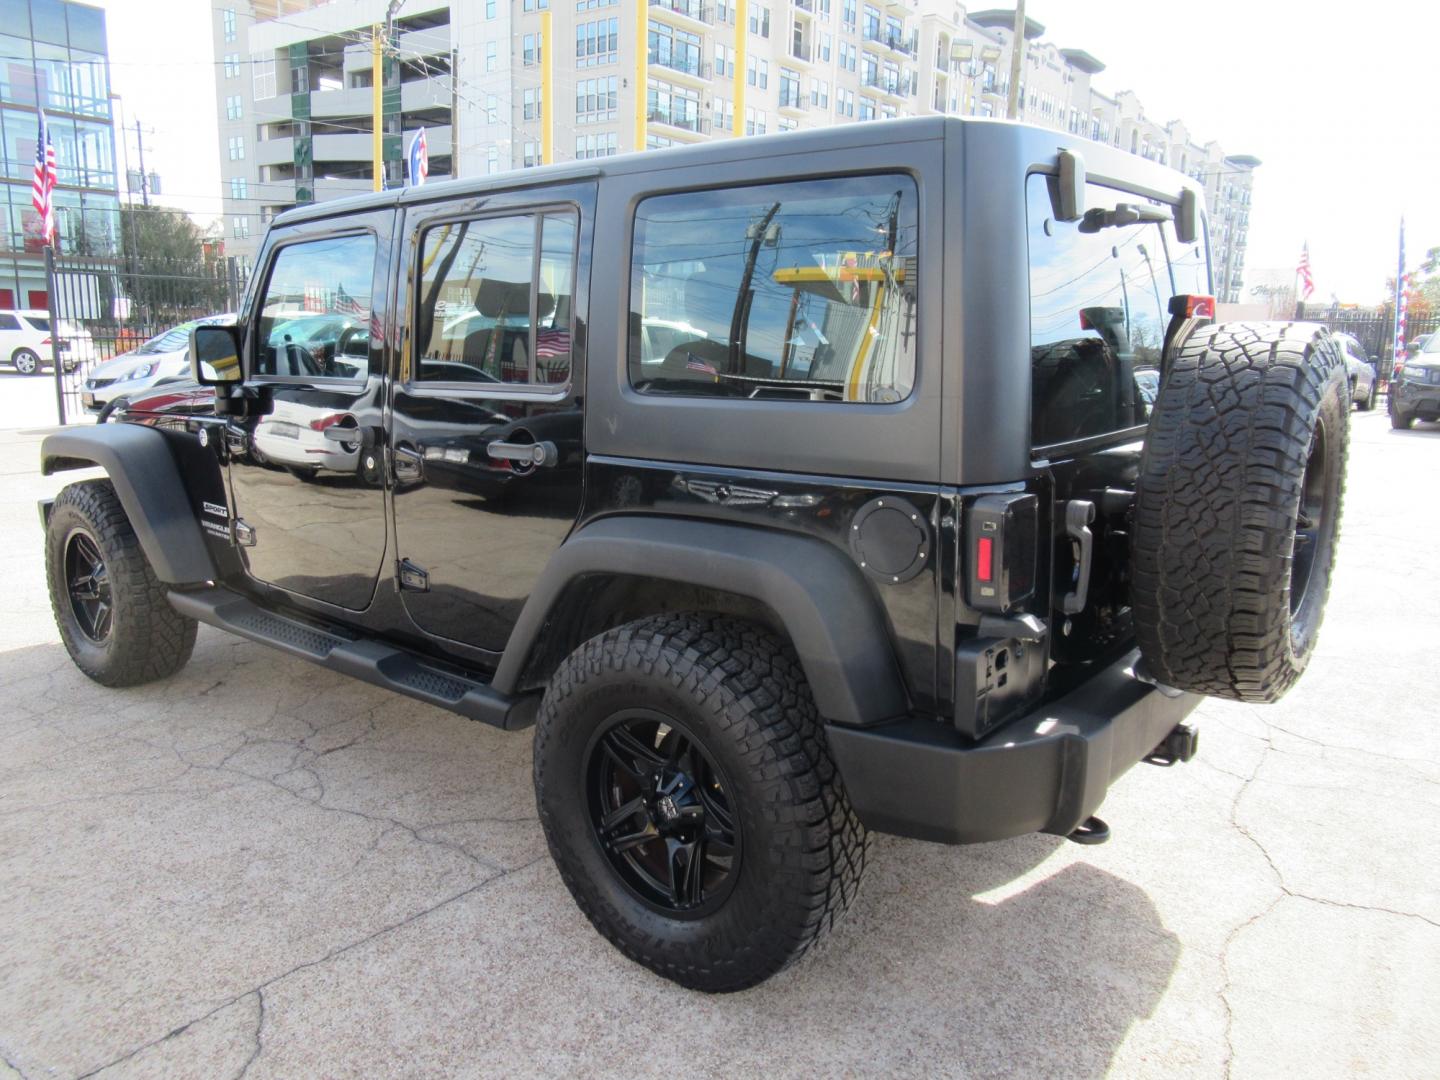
(1046, 772)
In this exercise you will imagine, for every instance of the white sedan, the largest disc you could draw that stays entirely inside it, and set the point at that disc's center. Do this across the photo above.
(163, 356)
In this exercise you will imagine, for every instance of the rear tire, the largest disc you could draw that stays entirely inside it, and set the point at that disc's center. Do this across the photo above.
(725, 704)
(26, 361)
(1238, 508)
(1401, 422)
(112, 612)
(1368, 404)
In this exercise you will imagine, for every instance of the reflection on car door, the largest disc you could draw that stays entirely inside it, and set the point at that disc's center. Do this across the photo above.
(304, 471)
(487, 414)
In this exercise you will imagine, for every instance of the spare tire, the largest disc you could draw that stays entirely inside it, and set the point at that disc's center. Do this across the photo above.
(1237, 511)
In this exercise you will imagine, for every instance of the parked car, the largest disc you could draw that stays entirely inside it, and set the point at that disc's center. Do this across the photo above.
(164, 356)
(1364, 383)
(819, 490)
(25, 342)
(1415, 394)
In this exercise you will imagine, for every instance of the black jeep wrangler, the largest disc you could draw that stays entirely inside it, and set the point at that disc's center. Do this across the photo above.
(890, 476)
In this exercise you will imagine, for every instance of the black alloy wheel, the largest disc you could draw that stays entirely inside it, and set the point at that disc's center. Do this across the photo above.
(1315, 519)
(661, 812)
(88, 584)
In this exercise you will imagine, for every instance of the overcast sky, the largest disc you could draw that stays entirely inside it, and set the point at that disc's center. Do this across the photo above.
(1338, 102)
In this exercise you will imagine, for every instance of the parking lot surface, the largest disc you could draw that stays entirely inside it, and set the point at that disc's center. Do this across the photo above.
(260, 868)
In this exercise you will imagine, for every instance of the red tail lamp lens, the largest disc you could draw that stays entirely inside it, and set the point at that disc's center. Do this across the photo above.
(984, 559)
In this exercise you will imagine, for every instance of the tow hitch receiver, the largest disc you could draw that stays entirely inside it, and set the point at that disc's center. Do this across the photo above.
(1179, 745)
(1090, 831)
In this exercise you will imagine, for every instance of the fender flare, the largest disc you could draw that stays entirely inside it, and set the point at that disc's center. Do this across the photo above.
(816, 592)
(147, 480)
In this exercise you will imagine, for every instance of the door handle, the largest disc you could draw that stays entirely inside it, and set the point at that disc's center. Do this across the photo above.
(409, 463)
(1078, 515)
(537, 453)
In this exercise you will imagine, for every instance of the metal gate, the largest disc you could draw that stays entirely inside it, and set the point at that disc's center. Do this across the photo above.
(109, 306)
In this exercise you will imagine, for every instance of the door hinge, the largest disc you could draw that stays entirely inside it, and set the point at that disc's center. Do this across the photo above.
(413, 578)
(244, 534)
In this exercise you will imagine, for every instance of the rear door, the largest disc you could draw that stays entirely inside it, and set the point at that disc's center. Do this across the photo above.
(486, 419)
(1099, 308)
(305, 472)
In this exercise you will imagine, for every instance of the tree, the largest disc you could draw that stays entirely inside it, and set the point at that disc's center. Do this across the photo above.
(166, 271)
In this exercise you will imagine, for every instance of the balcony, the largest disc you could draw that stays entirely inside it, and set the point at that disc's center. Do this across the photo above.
(689, 66)
(688, 9)
(904, 44)
(794, 101)
(889, 85)
(693, 124)
(801, 52)
(805, 6)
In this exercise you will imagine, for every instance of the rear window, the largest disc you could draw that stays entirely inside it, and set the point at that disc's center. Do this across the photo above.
(39, 322)
(801, 291)
(1099, 307)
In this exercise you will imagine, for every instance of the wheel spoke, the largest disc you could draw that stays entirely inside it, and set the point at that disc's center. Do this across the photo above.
(621, 814)
(630, 753)
(687, 871)
(715, 809)
(622, 844)
(102, 619)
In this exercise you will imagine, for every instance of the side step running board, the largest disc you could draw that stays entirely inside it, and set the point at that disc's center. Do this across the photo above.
(370, 661)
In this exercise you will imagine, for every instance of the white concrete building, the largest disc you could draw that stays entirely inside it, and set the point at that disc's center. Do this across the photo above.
(294, 81)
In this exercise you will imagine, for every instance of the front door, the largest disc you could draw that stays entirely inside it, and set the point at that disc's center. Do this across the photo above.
(486, 422)
(306, 470)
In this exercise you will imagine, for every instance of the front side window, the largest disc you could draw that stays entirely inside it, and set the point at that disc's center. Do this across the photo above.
(1099, 304)
(495, 301)
(796, 291)
(315, 315)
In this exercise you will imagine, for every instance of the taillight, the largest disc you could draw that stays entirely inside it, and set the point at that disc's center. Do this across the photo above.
(1199, 307)
(1001, 536)
(45, 341)
(326, 421)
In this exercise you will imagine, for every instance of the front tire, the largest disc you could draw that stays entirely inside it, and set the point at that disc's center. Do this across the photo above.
(26, 361)
(690, 801)
(1369, 403)
(111, 610)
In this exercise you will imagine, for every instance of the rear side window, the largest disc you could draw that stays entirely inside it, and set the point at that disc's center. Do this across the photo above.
(496, 300)
(9, 322)
(39, 322)
(797, 291)
(1099, 307)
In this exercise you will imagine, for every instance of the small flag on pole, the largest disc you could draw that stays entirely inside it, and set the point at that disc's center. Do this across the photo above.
(42, 188)
(1398, 350)
(418, 161)
(1307, 283)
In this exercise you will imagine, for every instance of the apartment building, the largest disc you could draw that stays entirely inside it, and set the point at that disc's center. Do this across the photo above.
(53, 56)
(295, 84)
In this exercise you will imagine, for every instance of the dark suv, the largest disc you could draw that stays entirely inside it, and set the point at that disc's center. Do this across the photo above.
(889, 476)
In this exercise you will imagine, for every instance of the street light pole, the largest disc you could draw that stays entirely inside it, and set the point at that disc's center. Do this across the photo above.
(1017, 57)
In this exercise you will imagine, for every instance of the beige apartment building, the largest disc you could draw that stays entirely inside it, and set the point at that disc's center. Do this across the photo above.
(295, 82)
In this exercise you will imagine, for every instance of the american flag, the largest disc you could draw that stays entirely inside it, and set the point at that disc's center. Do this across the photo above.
(1307, 283)
(43, 187)
(346, 304)
(552, 343)
(694, 363)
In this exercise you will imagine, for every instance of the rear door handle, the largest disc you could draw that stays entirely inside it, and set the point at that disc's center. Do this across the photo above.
(537, 453)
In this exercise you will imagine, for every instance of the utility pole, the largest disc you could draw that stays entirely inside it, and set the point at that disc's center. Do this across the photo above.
(144, 176)
(1017, 58)
(381, 44)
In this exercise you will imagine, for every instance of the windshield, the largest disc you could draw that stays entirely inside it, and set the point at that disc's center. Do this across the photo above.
(1433, 345)
(172, 340)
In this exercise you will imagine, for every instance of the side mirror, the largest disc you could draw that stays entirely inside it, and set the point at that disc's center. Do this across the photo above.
(215, 355)
(1187, 217)
(1070, 189)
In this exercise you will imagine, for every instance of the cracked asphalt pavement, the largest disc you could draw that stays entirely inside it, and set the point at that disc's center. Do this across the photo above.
(260, 869)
